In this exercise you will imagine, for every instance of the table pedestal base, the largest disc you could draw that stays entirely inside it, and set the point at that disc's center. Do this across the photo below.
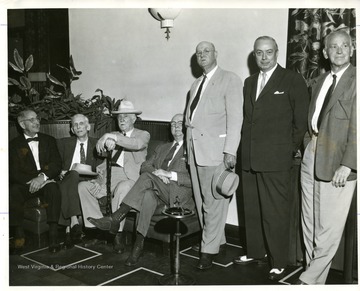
(176, 279)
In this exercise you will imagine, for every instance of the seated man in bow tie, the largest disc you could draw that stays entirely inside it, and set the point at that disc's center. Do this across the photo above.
(34, 160)
(129, 149)
(164, 182)
(80, 148)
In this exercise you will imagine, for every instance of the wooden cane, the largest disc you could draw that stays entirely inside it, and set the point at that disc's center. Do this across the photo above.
(108, 183)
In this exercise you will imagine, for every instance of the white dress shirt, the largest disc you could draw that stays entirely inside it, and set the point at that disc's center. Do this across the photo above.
(34, 147)
(268, 75)
(76, 157)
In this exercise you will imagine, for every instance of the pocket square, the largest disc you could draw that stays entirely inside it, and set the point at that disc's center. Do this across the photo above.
(277, 92)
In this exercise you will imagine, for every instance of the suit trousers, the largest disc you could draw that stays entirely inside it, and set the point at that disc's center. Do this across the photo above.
(148, 193)
(70, 201)
(90, 192)
(267, 215)
(324, 212)
(50, 195)
(212, 212)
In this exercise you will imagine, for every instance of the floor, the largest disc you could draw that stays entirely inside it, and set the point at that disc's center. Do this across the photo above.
(89, 264)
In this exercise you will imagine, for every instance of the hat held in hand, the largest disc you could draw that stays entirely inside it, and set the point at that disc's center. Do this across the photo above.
(224, 182)
(83, 169)
(126, 107)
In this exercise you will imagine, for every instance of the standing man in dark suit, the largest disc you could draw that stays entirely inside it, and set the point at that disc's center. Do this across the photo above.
(328, 169)
(34, 160)
(79, 148)
(164, 181)
(275, 109)
(213, 119)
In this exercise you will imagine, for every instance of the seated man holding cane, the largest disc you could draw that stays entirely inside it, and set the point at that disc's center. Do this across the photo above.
(129, 146)
(164, 181)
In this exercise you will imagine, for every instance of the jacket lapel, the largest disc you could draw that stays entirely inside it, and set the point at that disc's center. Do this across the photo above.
(178, 155)
(272, 82)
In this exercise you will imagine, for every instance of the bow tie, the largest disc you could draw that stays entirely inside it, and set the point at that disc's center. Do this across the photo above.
(32, 139)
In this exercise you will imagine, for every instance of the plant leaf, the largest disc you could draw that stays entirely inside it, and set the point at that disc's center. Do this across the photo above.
(25, 82)
(12, 81)
(18, 60)
(29, 63)
(54, 80)
(16, 68)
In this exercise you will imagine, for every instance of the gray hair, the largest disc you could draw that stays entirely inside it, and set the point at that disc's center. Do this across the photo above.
(78, 115)
(265, 37)
(336, 32)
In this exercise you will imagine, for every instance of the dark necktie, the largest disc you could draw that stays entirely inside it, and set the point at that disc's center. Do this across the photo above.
(117, 154)
(32, 139)
(82, 154)
(169, 156)
(197, 97)
(326, 101)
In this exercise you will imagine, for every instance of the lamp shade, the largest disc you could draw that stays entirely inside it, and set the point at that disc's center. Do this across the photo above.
(165, 15)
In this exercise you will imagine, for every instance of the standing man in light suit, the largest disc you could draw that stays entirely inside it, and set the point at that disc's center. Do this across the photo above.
(275, 109)
(213, 119)
(328, 169)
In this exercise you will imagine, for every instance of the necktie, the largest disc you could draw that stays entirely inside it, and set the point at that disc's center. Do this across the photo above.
(326, 101)
(263, 80)
(197, 97)
(82, 154)
(32, 139)
(169, 157)
(117, 154)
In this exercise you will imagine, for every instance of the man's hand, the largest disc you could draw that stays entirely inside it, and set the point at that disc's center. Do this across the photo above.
(100, 145)
(340, 176)
(163, 175)
(36, 184)
(229, 161)
(110, 144)
(62, 174)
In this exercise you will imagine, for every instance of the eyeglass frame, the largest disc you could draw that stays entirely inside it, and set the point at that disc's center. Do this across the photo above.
(175, 124)
(32, 120)
(204, 52)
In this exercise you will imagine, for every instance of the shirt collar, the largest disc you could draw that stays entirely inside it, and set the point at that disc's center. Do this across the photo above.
(269, 73)
(211, 73)
(340, 73)
(27, 136)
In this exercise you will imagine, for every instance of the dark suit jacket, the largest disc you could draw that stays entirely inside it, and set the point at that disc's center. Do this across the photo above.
(67, 147)
(336, 142)
(181, 187)
(22, 167)
(275, 124)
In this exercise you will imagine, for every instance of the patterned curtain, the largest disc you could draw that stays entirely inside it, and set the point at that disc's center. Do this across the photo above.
(306, 32)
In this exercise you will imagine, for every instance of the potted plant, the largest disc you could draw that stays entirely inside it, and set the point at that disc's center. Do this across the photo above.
(58, 102)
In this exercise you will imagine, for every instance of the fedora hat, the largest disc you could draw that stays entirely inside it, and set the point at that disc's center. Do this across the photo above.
(224, 182)
(83, 169)
(126, 107)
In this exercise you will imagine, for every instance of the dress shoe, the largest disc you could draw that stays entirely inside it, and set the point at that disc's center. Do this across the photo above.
(136, 253)
(19, 243)
(196, 247)
(112, 222)
(68, 243)
(276, 274)
(119, 247)
(244, 260)
(16, 246)
(299, 282)
(206, 261)
(54, 246)
(76, 234)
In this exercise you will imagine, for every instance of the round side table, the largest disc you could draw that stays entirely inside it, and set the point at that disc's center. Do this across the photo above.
(176, 278)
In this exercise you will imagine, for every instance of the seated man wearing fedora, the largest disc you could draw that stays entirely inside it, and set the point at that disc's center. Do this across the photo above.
(129, 149)
(164, 182)
(79, 160)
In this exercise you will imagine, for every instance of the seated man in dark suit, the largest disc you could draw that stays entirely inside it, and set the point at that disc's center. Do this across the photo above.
(164, 181)
(79, 148)
(34, 160)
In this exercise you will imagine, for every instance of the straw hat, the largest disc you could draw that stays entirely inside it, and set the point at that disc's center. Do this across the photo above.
(83, 169)
(224, 182)
(126, 107)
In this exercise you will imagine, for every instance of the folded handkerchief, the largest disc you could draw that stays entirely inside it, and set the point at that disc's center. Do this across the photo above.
(277, 92)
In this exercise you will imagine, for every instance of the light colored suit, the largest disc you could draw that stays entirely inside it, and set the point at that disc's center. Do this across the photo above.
(213, 131)
(122, 178)
(325, 207)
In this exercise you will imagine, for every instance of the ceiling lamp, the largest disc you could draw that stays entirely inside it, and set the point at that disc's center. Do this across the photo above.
(166, 16)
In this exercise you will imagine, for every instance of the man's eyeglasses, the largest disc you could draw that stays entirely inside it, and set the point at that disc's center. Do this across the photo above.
(179, 124)
(33, 120)
(204, 52)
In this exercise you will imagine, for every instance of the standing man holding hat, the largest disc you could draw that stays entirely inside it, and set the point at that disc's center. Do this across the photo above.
(213, 119)
(75, 150)
(275, 109)
(129, 146)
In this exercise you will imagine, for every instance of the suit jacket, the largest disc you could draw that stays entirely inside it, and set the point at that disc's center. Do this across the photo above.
(336, 142)
(22, 167)
(181, 187)
(274, 125)
(67, 146)
(135, 151)
(215, 126)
